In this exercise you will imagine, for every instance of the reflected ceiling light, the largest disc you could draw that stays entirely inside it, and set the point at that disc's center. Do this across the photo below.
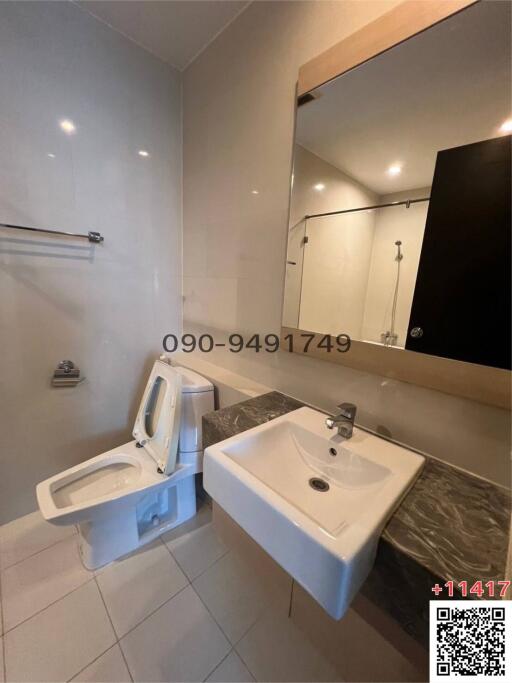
(51, 155)
(319, 187)
(143, 153)
(394, 169)
(506, 126)
(255, 192)
(67, 126)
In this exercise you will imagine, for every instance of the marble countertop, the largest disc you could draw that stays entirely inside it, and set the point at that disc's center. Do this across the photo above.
(450, 526)
(453, 524)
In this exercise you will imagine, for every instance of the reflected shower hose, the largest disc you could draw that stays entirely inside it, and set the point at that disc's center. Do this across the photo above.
(398, 259)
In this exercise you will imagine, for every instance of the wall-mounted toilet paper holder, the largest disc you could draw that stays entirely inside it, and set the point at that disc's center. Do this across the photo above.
(66, 374)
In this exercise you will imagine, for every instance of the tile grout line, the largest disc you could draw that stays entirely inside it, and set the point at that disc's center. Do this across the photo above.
(191, 581)
(92, 662)
(49, 605)
(228, 550)
(113, 628)
(247, 630)
(217, 666)
(243, 660)
(153, 612)
(65, 595)
(117, 638)
(215, 620)
(191, 584)
(233, 647)
(106, 609)
(14, 564)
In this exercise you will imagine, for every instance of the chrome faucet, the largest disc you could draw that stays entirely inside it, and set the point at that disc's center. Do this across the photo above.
(344, 421)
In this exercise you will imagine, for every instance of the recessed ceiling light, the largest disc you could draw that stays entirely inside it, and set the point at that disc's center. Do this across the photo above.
(319, 187)
(255, 191)
(394, 169)
(52, 156)
(67, 126)
(506, 126)
(143, 153)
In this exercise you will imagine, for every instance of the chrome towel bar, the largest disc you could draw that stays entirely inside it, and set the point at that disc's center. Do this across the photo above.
(91, 236)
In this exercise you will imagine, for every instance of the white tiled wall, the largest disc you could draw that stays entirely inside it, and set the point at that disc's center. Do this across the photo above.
(106, 307)
(238, 137)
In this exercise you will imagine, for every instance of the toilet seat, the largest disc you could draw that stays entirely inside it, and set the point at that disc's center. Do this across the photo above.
(156, 426)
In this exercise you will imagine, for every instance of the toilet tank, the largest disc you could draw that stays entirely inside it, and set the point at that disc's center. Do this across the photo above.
(196, 400)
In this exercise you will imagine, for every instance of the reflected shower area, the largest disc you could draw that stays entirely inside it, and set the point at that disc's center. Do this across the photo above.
(353, 270)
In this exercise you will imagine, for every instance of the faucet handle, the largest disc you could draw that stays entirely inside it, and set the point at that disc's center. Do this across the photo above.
(348, 410)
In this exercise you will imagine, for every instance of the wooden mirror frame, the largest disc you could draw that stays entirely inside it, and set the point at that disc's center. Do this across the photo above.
(468, 380)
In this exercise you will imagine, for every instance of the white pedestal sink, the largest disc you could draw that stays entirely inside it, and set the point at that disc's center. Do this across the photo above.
(316, 502)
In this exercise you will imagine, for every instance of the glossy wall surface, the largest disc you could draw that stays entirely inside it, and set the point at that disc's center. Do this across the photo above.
(106, 307)
(238, 138)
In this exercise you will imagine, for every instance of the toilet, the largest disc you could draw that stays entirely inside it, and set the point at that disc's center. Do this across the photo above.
(131, 494)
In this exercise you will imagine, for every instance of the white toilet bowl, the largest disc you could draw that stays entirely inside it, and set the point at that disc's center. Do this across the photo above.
(127, 496)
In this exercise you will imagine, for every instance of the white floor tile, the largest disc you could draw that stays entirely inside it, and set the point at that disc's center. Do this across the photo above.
(179, 642)
(28, 535)
(109, 667)
(34, 583)
(231, 670)
(276, 650)
(1, 661)
(197, 550)
(232, 594)
(57, 643)
(135, 586)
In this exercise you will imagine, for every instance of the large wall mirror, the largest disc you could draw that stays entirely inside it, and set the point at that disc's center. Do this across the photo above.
(399, 230)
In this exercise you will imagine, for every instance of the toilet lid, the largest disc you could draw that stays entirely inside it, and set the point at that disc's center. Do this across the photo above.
(157, 427)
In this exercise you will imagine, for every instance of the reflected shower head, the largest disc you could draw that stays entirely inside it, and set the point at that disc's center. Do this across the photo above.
(398, 243)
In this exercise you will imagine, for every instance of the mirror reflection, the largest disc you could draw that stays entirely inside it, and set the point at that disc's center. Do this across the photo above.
(388, 183)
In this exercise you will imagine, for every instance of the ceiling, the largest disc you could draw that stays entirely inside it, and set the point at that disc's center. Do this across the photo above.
(175, 31)
(447, 87)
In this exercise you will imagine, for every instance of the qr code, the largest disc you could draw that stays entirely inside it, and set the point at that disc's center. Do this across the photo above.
(469, 638)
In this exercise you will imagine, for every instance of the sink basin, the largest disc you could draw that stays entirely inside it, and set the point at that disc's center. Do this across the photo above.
(316, 502)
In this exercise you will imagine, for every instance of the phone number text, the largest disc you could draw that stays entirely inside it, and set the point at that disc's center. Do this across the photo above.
(269, 343)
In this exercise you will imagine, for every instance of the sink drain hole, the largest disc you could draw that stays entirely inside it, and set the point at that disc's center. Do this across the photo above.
(318, 484)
